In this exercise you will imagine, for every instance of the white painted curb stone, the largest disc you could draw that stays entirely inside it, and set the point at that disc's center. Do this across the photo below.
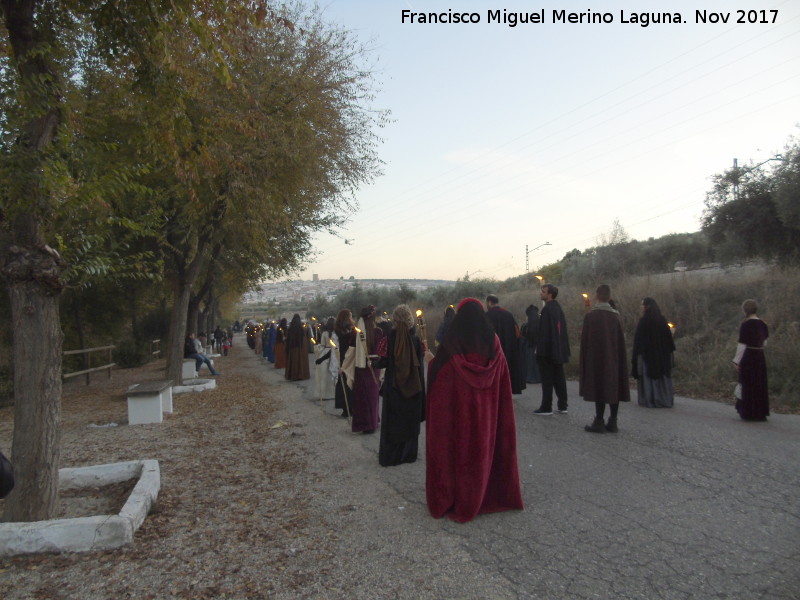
(86, 534)
(194, 385)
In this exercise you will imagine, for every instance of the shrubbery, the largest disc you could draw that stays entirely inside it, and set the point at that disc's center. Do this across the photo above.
(130, 353)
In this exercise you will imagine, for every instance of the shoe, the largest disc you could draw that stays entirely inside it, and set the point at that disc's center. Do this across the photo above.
(542, 412)
(597, 426)
(561, 411)
(611, 426)
(215, 374)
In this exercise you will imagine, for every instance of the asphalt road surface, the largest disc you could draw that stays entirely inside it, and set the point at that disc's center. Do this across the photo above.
(688, 502)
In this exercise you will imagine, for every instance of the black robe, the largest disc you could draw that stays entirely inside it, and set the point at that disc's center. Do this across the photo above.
(400, 416)
(506, 328)
(653, 341)
(553, 343)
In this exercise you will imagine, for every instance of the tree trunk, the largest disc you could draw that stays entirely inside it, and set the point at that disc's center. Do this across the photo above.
(177, 331)
(37, 339)
(192, 314)
(32, 271)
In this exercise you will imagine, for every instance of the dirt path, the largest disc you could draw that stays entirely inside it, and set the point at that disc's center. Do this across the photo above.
(264, 494)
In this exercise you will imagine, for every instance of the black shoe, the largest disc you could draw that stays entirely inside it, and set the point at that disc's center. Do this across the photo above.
(611, 426)
(561, 411)
(542, 412)
(597, 426)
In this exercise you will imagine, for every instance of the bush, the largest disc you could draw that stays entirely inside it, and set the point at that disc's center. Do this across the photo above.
(130, 354)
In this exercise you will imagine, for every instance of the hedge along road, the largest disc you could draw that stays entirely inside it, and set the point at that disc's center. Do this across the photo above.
(688, 502)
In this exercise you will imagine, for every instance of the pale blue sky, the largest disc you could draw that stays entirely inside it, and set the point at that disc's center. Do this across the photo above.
(503, 137)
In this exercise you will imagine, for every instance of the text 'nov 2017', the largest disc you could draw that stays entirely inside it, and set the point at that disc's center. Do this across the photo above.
(588, 17)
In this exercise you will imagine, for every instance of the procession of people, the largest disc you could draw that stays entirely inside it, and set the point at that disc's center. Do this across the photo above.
(382, 376)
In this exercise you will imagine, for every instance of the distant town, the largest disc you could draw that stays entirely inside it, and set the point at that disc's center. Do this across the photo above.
(305, 291)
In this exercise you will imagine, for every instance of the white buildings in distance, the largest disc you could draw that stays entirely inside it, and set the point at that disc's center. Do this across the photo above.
(305, 291)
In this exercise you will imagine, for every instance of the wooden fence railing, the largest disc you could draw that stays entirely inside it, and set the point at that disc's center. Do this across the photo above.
(91, 370)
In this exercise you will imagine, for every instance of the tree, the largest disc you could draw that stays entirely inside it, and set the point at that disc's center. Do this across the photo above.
(761, 220)
(267, 155)
(47, 47)
(614, 236)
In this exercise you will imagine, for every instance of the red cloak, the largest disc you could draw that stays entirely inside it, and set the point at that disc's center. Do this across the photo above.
(471, 438)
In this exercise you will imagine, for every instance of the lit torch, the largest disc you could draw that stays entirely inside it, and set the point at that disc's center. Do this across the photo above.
(586, 302)
(671, 328)
(421, 326)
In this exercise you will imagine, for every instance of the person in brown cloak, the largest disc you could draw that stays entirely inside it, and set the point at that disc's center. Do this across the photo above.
(297, 351)
(603, 363)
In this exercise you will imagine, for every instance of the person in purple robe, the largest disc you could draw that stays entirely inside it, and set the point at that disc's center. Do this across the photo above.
(753, 405)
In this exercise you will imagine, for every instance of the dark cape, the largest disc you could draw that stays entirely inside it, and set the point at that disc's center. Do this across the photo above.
(652, 362)
(506, 329)
(553, 343)
(401, 413)
(471, 443)
(653, 342)
(280, 347)
(344, 339)
(297, 353)
(754, 404)
(603, 364)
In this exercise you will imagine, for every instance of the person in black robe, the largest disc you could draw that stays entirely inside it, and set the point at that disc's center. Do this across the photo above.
(527, 343)
(403, 390)
(652, 358)
(552, 352)
(506, 329)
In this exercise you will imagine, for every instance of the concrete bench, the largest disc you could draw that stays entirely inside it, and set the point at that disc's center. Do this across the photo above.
(147, 402)
(189, 371)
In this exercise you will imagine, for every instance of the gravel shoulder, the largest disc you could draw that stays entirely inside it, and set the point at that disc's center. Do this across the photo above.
(265, 493)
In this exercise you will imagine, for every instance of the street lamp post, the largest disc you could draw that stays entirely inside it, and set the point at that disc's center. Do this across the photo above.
(534, 250)
(739, 172)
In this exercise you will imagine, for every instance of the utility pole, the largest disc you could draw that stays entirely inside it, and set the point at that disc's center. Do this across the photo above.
(736, 172)
(527, 269)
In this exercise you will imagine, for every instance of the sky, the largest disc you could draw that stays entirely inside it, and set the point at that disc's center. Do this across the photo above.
(506, 138)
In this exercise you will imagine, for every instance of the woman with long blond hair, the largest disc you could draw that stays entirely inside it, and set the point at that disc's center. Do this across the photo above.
(403, 390)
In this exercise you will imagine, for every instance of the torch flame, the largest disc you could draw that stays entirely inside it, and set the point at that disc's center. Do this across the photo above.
(313, 341)
(539, 277)
(671, 325)
(419, 313)
(358, 330)
(585, 295)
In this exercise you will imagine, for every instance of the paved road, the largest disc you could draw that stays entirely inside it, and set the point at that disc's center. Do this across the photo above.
(688, 502)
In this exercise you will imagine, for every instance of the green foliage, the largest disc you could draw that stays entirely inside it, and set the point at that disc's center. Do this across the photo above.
(130, 354)
(762, 219)
(155, 324)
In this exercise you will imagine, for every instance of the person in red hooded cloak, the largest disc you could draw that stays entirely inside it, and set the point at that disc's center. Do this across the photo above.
(471, 438)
